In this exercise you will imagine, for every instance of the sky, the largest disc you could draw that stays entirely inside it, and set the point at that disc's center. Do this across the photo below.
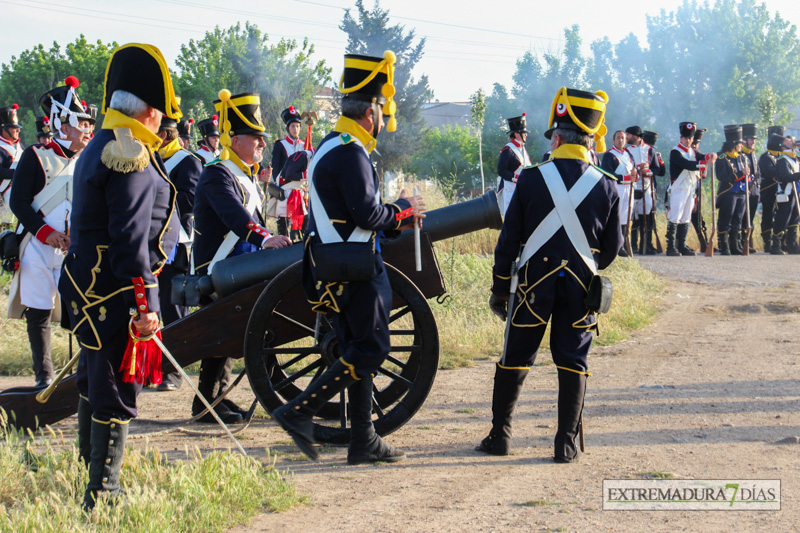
(470, 44)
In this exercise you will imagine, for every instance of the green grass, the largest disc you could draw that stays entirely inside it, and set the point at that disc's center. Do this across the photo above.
(656, 474)
(537, 503)
(43, 484)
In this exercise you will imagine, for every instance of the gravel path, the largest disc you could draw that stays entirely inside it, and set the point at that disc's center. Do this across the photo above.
(757, 269)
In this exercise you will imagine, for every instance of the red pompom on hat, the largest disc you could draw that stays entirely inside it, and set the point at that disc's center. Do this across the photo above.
(83, 103)
(71, 81)
(215, 117)
(191, 121)
(15, 107)
(45, 121)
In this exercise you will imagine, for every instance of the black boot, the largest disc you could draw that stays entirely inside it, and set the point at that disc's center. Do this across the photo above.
(84, 430)
(296, 417)
(777, 244)
(571, 391)
(622, 251)
(366, 446)
(507, 386)
(635, 235)
(651, 231)
(208, 383)
(766, 238)
(38, 322)
(722, 240)
(108, 448)
(680, 237)
(671, 230)
(793, 248)
(735, 243)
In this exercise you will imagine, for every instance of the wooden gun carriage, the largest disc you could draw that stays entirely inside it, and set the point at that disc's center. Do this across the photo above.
(260, 313)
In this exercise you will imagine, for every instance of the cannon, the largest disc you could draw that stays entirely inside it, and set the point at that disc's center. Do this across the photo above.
(259, 312)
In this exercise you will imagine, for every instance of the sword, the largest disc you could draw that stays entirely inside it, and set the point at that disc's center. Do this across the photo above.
(43, 396)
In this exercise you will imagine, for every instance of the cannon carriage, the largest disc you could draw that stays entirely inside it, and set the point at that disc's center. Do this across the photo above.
(259, 312)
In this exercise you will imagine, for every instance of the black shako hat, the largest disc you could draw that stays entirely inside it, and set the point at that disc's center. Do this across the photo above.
(167, 122)
(634, 130)
(581, 111)
(209, 127)
(141, 70)
(8, 117)
(749, 131)
(733, 133)
(289, 115)
(62, 105)
(698, 133)
(43, 127)
(779, 130)
(775, 141)
(687, 129)
(371, 79)
(650, 137)
(185, 128)
(518, 124)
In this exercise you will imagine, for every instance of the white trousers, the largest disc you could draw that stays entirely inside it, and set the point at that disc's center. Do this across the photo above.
(624, 191)
(681, 205)
(39, 272)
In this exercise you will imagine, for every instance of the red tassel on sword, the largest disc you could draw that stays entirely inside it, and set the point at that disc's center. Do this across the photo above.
(141, 361)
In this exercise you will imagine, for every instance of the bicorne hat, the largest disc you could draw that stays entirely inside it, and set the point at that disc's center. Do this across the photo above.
(580, 111)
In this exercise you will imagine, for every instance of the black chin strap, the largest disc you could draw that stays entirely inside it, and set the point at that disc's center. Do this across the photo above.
(376, 118)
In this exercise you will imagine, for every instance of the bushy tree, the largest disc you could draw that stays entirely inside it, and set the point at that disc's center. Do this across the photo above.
(449, 154)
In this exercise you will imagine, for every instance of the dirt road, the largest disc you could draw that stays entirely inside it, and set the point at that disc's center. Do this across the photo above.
(705, 392)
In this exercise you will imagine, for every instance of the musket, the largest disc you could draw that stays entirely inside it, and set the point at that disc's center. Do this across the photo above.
(659, 247)
(628, 249)
(746, 243)
(645, 168)
(710, 243)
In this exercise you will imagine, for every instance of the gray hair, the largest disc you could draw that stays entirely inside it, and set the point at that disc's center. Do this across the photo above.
(574, 137)
(128, 103)
(354, 109)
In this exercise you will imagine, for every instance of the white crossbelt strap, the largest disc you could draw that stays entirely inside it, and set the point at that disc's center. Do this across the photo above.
(173, 161)
(55, 192)
(327, 233)
(552, 222)
(229, 243)
(565, 208)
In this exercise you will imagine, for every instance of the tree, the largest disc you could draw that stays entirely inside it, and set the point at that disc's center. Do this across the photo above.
(242, 60)
(370, 33)
(35, 71)
(449, 156)
(477, 119)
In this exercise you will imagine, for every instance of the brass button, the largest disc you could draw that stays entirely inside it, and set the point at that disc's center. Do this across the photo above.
(111, 442)
(139, 295)
(108, 460)
(112, 425)
(105, 480)
(169, 229)
(545, 259)
(142, 308)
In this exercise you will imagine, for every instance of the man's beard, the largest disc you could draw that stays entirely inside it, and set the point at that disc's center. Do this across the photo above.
(258, 157)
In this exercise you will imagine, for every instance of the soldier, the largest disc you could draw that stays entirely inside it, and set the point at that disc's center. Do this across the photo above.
(183, 169)
(557, 263)
(697, 211)
(44, 135)
(513, 158)
(122, 228)
(769, 185)
(41, 199)
(787, 172)
(645, 160)
(227, 212)
(731, 171)
(185, 131)
(209, 145)
(686, 167)
(346, 211)
(750, 135)
(618, 162)
(10, 148)
(282, 151)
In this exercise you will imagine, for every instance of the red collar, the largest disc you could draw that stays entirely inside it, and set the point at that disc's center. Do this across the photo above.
(515, 143)
(11, 143)
(682, 147)
(57, 148)
(292, 141)
(616, 150)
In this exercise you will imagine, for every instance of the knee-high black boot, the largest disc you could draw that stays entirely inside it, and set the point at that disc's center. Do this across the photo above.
(38, 322)
(680, 237)
(296, 417)
(722, 242)
(84, 430)
(507, 386)
(777, 243)
(108, 447)
(571, 392)
(622, 252)
(672, 251)
(766, 238)
(366, 446)
(735, 242)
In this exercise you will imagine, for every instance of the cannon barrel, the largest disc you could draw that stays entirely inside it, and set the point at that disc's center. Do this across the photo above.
(242, 271)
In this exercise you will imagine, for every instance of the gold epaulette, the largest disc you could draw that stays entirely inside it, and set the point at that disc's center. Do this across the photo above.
(606, 174)
(126, 154)
(534, 165)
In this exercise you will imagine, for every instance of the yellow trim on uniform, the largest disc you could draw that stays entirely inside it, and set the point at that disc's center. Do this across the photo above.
(776, 153)
(96, 269)
(571, 151)
(501, 277)
(170, 149)
(351, 368)
(513, 367)
(524, 289)
(350, 126)
(573, 370)
(337, 221)
(362, 64)
(746, 150)
(84, 397)
(110, 421)
(386, 65)
(115, 119)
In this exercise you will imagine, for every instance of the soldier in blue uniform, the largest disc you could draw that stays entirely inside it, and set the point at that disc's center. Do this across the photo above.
(123, 226)
(10, 148)
(209, 144)
(731, 170)
(787, 173)
(227, 212)
(698, 223)
(769, 186)
(185, 130)
(346, 211)
(750, 136)
(513, 158)
(554, 271)
(183, 169)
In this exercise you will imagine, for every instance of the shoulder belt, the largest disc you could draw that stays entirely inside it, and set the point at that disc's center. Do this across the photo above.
(175, 160)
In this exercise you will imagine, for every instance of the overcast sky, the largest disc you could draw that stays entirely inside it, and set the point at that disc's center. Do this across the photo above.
(470, 44)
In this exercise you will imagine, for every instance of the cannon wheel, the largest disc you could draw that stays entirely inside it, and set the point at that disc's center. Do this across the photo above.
(287, 346)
